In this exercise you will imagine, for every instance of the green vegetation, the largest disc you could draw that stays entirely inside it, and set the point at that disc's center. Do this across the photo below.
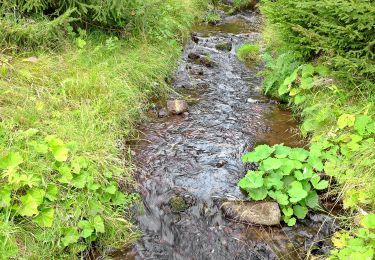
(248, 53)
(239, 5)
(213, 17)
(289, 176)
(358, 244)
(320, 59)
(74, 82)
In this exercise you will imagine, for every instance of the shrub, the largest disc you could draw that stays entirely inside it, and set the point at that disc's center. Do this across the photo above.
(341, 32)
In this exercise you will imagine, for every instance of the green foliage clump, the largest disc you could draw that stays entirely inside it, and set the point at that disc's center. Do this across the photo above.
(341, 33)
(248, 52)
(37, 24)
(358, 244)
(289, 176)
(213, 18)
(51, 190)
(239, 5)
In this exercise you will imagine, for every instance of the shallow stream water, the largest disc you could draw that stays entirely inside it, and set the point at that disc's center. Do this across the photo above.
(187, 165)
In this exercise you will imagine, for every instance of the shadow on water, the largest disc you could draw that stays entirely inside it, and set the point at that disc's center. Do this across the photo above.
(188, 165)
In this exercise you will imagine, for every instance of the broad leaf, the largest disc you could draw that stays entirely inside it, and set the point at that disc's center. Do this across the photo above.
(261, 152)
(319, 184)
(345, 120)
(307, 83)
(252, 180)
(11, 160)
(52, 192)
(60, 153)
(300, 211)
(281, 151)
(71, 236)
(258, 194)
(98, 224)
(280, 197)
(307, 70)
(5, 196)
(45, 217)
(271, 164)
(86, 227)
(296, 192)
(299, 154)
(312, 200)
(368, 221)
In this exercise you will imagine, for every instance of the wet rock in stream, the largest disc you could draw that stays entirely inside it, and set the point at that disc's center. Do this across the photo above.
(260, 213)
(189, 165)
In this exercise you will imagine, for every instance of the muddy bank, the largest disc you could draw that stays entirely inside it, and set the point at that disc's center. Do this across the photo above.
(188, 164)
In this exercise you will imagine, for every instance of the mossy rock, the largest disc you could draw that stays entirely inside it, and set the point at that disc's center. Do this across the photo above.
(224, 46)
(178, 204)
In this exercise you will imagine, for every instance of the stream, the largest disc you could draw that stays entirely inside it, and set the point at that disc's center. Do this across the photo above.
(189, 164)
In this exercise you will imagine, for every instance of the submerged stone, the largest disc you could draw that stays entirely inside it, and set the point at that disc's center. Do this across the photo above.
(177, 106)
(261, 213)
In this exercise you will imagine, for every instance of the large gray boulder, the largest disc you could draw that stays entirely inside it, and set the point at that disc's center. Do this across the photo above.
(261, 213)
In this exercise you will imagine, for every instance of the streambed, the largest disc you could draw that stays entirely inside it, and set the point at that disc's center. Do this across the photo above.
(187, 165)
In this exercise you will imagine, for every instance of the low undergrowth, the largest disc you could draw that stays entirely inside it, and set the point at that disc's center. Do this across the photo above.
(248, 53)
(71, 94)
(325, 78)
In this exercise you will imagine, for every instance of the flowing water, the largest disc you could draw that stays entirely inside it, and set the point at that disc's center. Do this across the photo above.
(187, 165)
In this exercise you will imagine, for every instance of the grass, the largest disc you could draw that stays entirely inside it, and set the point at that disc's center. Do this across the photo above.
(90, 93)
(248, 53)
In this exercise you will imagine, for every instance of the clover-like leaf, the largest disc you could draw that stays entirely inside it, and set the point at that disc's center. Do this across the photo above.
(291, 222)
(307, 70)
(288, 165)
(319, 184)
(29, 206)
(364, 125)
(296, 192)
(288, 212)
(300, 211)
(261, 152)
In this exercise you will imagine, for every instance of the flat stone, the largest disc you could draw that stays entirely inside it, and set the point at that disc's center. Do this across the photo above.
(261, 213)
(177, 106)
